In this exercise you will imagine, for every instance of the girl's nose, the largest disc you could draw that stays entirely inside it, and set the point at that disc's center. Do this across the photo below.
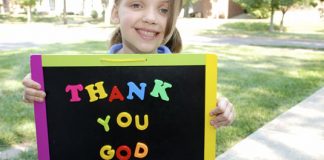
(150, 16)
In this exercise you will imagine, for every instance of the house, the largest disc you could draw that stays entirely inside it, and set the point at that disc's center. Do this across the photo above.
(216, 9)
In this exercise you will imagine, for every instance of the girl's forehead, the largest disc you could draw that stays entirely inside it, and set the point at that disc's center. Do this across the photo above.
(161, 1)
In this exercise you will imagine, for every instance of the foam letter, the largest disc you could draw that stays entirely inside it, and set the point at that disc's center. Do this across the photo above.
(115, 94)
(140, 147)
(126, 149)
(99, 89)
(159, 89)
(138, 125)
(104, 123)
(128, 119)
(107, 153)
(134, 89)
(74, 92)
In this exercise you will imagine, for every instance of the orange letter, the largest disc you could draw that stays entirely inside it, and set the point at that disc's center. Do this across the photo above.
(140, 147)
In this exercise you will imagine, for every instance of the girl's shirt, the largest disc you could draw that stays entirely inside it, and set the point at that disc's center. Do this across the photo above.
(116, 47)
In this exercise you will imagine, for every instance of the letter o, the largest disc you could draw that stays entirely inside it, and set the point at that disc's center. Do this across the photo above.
(126, 149)
(124, 115)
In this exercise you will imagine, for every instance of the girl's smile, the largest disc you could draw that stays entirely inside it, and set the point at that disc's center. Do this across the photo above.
(147, 34)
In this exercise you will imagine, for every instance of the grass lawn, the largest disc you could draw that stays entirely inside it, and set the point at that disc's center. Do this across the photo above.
(72, 19)
(261, 82)
(260, 28)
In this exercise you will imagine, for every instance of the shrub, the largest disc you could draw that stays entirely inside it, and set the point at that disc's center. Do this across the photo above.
(94, 14)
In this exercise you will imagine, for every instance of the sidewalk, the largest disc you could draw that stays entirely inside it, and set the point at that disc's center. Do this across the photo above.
(297, 134)
(14, 151)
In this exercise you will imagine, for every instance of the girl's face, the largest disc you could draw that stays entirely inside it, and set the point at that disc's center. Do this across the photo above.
(142, 24)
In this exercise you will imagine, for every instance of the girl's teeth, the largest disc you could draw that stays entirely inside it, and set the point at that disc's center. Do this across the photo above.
(146, 33)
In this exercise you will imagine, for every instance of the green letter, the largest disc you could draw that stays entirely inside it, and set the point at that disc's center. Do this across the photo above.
(104, 123)
(159, 89)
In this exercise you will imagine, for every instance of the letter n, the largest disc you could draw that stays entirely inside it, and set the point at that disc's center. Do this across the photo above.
(134, 89)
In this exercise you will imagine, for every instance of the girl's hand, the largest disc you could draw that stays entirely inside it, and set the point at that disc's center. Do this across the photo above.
(224, 113)
(32, 90)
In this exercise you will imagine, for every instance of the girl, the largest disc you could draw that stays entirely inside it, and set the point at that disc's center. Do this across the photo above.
(145, 26)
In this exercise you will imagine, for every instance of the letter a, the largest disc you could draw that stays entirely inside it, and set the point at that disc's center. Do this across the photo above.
(115, 94)
(99, 89)
(159, 89)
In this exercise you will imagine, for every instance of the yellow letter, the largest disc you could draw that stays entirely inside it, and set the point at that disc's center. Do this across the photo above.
(99, 89)
(138, 125)
(128, 121)
(107, 153)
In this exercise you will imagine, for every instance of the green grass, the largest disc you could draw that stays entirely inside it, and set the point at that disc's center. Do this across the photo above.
(16, 117)
(261, 82)
(72, 19)
(248, 28)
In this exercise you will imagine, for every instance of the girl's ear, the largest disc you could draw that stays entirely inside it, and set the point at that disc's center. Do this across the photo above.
(114, 18)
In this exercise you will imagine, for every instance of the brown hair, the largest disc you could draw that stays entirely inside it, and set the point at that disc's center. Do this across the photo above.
(172, 41)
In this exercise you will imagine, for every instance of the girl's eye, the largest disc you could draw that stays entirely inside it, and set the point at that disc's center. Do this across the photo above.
(164, 10)
(136, 6)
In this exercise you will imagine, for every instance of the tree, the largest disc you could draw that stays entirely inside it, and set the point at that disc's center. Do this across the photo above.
(258, 8)
(284, 6)
(107, 5)
(29, 4)
(264, 8)
(5, 4)
(64, 12)
(186, 6)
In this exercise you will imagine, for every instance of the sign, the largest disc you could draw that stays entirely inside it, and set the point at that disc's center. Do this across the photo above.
(131, 106)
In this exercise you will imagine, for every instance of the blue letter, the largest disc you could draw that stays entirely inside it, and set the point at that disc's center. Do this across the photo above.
(134, 89)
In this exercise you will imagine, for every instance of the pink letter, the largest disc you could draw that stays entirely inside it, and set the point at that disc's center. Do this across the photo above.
(74, 92)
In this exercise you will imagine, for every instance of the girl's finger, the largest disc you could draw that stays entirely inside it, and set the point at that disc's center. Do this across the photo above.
(28, 82)
(35, 93)
(31, 99)
(220, 107)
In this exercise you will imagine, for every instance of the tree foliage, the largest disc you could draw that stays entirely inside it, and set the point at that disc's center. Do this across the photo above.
(27, 3)
(258, 8)
(266, 8)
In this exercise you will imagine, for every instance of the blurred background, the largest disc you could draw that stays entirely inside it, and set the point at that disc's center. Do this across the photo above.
(271, 55)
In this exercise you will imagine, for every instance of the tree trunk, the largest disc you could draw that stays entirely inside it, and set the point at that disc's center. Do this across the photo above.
(271, 28)
(64, 12)
(6, 6)
(186, 10)
(284, 11)
(83, 7)
(29, 17)
(108, 10)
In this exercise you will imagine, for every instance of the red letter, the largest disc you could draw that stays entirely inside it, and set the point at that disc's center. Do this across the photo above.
(125, 149)
(115, 94)
(74, 92)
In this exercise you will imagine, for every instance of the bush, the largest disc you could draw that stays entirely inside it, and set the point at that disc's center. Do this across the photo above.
(260, 13)
(94, 14)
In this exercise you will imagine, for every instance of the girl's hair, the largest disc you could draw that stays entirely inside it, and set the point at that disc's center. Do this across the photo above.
(172, 38)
